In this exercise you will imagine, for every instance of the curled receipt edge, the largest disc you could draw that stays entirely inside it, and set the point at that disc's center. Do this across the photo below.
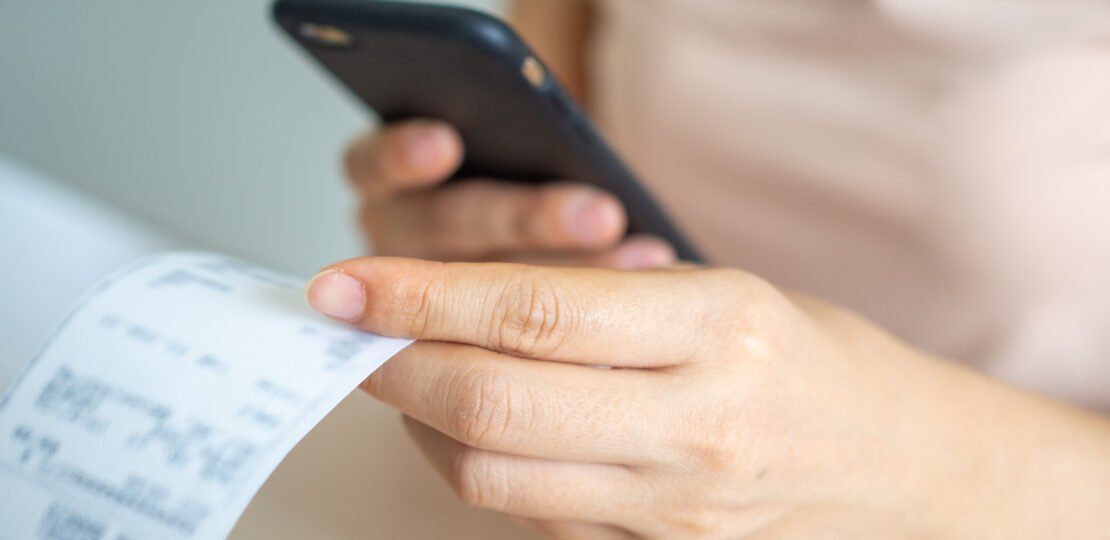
(166, 398)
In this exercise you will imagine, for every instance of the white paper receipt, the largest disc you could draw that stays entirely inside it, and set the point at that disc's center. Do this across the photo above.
(166, 399)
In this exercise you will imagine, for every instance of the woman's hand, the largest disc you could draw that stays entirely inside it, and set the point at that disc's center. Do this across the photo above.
(730, 410)
(405, 211)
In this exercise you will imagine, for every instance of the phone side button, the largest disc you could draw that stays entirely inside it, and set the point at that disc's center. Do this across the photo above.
(565, 110)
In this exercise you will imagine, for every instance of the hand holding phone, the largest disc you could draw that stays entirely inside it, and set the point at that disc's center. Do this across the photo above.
(541, 184)
(406, 209)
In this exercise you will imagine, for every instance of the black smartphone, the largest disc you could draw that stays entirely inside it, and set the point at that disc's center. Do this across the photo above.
(408, 60)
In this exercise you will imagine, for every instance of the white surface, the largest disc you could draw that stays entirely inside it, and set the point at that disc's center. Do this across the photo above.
(167, 398)
(55, 242)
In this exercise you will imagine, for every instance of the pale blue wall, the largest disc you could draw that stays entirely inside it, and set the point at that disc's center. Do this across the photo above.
(194, 115)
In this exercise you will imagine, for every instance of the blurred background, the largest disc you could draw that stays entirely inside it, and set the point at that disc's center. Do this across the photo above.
(195, 117)
(132, 126)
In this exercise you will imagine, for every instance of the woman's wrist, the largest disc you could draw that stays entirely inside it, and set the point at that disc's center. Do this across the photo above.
(970, 457)
(1019, 466)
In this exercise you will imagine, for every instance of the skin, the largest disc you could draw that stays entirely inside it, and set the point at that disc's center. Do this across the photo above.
(398, 172)
(732, 409)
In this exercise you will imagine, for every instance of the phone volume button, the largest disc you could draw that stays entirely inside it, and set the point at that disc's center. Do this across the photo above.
(566, 110)
(561, 105)
(582, 130)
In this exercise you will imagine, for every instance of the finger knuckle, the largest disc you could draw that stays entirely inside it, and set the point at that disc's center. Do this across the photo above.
(428, 296)
(365, 159)
(489, 409)
(746, 309)
(410, 305)
(479, 481)
(353, 158)
(697, 521)
(734, 287)
(714, 444)
(533, 318)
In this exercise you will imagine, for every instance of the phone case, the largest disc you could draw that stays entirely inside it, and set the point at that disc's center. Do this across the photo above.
(471, 70)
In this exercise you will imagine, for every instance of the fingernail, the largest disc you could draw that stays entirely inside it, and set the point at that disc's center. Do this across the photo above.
(590, 218)
(337, 295)
(424, 145)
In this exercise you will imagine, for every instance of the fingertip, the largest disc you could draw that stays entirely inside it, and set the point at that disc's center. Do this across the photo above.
(430, 150)
(383, 295)
(594, 218)
(336, 294)
(644, 252)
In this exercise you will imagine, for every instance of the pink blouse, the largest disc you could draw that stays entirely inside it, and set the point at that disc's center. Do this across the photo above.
(940, 166)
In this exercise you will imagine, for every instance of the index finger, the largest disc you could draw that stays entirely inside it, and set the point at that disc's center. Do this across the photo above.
(587, 316)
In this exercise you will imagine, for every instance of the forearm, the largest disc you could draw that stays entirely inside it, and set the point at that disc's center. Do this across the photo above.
(967, 456)
(1034, 468)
